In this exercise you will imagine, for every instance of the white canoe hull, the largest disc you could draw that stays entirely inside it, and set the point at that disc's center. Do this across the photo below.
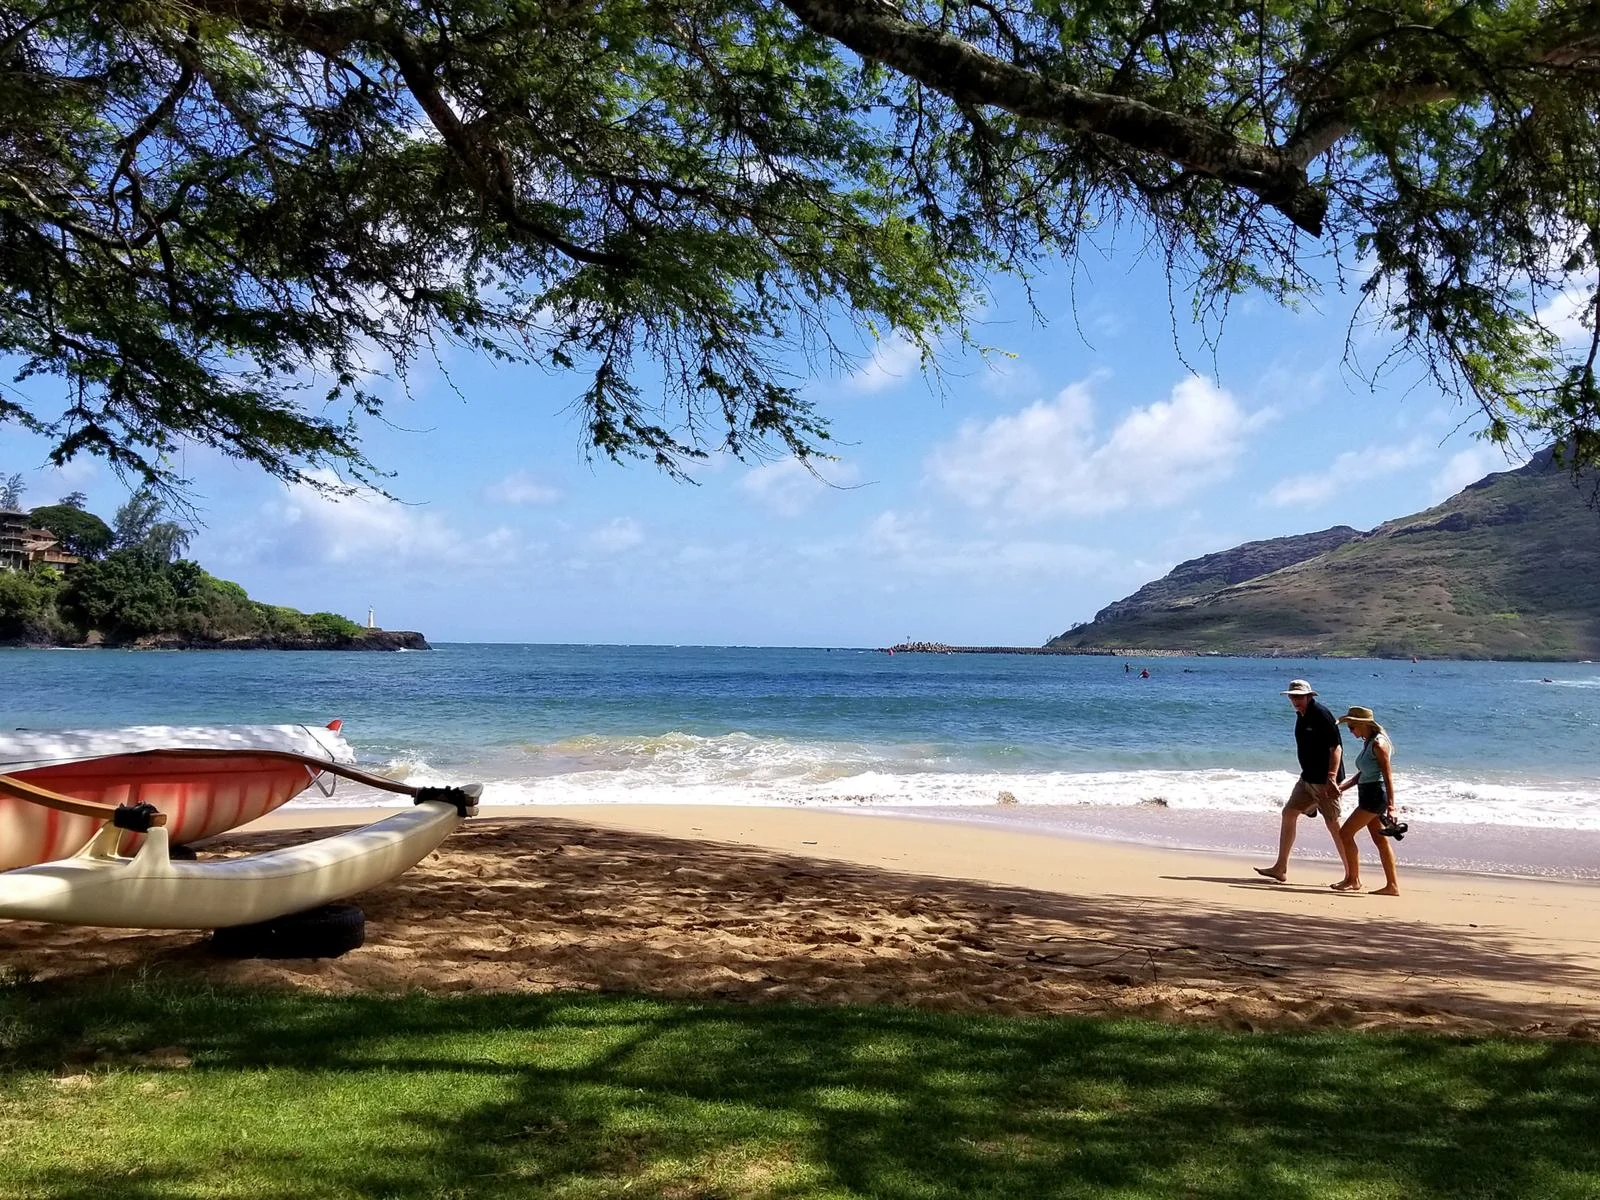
(149, 891)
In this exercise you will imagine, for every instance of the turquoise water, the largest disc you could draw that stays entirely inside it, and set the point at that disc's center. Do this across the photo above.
(1475, 742)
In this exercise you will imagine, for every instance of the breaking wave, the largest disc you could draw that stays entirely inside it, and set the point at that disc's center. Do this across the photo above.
(743, 769)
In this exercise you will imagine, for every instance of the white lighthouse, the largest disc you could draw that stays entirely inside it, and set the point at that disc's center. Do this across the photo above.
(371, 624)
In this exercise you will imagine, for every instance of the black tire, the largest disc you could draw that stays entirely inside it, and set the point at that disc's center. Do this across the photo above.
(325, 932)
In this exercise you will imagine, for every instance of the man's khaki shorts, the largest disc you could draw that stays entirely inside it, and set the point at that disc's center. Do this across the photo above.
(1314, 797)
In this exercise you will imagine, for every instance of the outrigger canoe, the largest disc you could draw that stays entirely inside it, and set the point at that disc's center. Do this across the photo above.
(148, 890)
(201, 797)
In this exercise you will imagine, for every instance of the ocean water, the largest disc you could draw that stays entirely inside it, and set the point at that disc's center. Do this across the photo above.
(1476, 744)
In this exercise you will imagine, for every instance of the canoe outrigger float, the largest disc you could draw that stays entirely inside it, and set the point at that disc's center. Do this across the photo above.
(150, 890)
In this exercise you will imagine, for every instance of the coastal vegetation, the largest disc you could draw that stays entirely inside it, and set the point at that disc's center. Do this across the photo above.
(149, 1086)
(132, 586)
(229, 223)
(79, 531)
(1504, 569)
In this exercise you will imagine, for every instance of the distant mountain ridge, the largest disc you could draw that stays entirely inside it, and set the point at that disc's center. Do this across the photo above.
(1507, 568)
(1213, 572)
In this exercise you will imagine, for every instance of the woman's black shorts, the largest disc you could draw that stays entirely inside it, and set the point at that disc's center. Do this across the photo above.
(1372, 797)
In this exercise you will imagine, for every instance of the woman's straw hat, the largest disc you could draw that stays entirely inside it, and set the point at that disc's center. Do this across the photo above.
(1357, 713)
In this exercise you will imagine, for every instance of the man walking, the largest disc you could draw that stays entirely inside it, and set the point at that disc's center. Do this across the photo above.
(1321, 753)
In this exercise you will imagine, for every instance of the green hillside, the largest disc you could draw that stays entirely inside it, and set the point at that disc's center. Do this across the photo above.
(1507, 568)
(127, 584)
(130, 599)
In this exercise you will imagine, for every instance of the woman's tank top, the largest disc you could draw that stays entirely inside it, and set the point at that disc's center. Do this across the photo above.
(1367, 761)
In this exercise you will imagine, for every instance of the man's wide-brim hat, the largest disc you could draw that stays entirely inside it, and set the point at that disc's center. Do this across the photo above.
(1299, 687)
(1357, 713)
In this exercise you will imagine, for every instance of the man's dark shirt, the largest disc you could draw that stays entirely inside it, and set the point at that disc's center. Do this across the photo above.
(1315, 733)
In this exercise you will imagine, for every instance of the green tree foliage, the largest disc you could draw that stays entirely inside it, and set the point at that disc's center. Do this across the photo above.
(322, 627)
(136, 518)
(26, 603)
(141, 587)
(80, 531)
(285, 622)
(216, 214)
(124, 596)
(140, 526)
(166, 541)
(327, 626)
(133, 593)
(209, 607)
(12, 488)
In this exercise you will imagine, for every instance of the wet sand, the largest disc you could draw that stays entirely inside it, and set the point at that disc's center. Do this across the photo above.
(1539, 852)
(837, 907)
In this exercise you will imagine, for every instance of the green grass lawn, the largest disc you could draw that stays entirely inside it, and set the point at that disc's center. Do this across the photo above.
(144, 1088)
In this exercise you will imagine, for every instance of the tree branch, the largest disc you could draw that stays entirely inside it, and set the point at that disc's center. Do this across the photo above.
(163, 110)
(331, 32)
(1558, 46)
(968, 75)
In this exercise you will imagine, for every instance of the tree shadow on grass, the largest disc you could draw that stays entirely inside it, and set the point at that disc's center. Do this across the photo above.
(603, 1096)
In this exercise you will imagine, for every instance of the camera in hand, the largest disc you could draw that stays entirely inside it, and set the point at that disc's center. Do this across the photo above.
(1392, 828)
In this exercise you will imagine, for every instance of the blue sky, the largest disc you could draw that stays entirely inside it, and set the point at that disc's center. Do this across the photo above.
(999, 507)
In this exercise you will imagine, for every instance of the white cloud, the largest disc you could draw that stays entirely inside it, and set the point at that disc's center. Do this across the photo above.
(893, 535)
(1293, 386)
(788, 488)
(1352, 467)
(521, 488)
(45, 485)
(1103, 322)
(366, 528)
(1046, 459)
(1469, 466)
(893, 361)
(1570, 315)
(78, 471)
(615, 536)
(908, 546)
(1009, 378)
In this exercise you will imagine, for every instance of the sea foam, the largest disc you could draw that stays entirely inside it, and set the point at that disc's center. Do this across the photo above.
(741, 769)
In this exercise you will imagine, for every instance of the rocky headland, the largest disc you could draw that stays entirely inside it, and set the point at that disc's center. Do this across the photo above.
(366, 639)
(1507, 568)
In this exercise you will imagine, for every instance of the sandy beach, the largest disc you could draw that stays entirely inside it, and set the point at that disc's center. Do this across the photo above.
(769, 904)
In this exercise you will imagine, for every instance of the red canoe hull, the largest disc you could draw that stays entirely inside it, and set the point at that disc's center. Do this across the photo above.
(200, 797)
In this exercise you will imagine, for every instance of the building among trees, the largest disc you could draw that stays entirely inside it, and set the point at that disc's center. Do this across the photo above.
(13, 540)
(22, 546)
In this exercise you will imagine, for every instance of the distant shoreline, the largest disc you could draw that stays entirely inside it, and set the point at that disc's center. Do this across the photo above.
(368, 641)
(1132, 652)
(1101, 652)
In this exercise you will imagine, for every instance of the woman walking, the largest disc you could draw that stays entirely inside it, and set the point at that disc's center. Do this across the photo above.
(1374, 802)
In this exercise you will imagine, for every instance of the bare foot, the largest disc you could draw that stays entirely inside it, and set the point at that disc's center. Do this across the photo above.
(1273, 873)
(1389, 890)
(1346, 885)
